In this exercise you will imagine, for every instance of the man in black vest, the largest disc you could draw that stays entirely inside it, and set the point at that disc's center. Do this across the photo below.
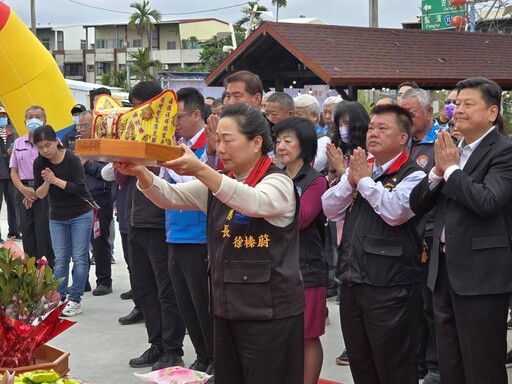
(470, 270)
(380, 252)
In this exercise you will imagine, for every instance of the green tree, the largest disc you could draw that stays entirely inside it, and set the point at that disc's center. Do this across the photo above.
(279, 4)
(142, 20)
(243, 22)
(507, 110)
(190, 43)
(115, 79)
(142, 68)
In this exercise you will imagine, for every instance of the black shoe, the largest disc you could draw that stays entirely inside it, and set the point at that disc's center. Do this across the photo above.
(422, 371)
(88, 287)
(112, 260)
(126, 295)
(198, 366)
(92, 261)
(508, 361)
(148, 358)
(102, 290)
(168, 359)
(14, 237)
(209, 370)
(135, 316)
(343, 358)
(432, 378)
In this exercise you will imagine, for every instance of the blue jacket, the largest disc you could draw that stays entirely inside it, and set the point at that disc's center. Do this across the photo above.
(187, 226)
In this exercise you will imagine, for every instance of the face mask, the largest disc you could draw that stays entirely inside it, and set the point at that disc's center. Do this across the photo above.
(345, 136)
(449, 110)
(3, 121)
(75, 120)
(32, 124)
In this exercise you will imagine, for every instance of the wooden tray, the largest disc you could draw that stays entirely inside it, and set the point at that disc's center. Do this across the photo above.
(110, 150)
(47, 357)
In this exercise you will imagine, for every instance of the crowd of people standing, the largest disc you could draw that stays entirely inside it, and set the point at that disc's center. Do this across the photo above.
(406, 215)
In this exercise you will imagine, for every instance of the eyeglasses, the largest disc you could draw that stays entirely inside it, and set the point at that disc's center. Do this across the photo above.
(448, 102)
(179, 117)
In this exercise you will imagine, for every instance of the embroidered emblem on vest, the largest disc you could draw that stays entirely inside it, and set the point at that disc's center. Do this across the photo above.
(422, 161)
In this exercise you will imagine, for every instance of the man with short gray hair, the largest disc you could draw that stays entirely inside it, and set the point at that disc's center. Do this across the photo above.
(279, 106)
(328, 112)
(308, 107)
(34, 212)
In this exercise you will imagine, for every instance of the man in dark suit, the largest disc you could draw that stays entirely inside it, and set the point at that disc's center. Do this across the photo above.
(471, 263)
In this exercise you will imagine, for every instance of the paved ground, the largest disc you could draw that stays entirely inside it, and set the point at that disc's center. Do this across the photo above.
(100, 348)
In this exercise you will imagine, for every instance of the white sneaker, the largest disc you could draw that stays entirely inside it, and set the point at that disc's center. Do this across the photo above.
(72, 309)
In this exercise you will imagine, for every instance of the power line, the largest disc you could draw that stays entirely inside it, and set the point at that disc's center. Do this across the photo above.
(166, 14)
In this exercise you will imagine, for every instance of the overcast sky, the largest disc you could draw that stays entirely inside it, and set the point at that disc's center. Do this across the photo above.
(336, 12)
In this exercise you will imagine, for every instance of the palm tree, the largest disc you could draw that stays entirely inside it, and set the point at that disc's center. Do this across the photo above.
(115, 79)
(247, 15)
(142, 20)
(279, 4)
(142, 67)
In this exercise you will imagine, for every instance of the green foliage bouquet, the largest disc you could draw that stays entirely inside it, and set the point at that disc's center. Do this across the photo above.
(29, 306)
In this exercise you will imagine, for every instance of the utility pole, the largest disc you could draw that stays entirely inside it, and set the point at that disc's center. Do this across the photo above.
(374, 13)
(33, 17)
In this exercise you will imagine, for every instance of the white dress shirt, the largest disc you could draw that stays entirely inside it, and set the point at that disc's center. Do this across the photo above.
(166, 173)
(392, 206)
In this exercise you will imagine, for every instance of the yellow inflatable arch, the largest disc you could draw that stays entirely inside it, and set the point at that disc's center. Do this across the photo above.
(30, 75)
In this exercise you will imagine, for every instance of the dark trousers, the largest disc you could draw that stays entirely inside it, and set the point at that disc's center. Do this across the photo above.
(331, 256)
(153, 289)
(35, 228)
(8, 192)
(471, 334)
(127, 259)
(255, 352)
(101, 249)
(188, 267)
(427, 348)
(377, 326)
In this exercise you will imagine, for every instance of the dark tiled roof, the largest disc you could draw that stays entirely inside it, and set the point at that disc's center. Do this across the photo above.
(369, 57)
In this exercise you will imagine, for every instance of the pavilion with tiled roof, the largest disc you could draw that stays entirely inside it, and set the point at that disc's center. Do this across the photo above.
(352, 58)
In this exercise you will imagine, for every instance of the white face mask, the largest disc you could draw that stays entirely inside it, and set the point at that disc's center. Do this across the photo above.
(32, 124)
(76, 119)
(345, 136)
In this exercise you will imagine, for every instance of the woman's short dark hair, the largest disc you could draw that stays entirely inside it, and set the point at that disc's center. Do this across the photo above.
(305, 131)
(251, 123)
(45, 132)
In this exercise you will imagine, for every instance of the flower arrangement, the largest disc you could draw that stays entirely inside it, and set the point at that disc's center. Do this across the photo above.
(29, 306)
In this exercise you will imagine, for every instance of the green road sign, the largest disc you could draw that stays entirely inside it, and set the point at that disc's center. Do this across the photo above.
(437, 14)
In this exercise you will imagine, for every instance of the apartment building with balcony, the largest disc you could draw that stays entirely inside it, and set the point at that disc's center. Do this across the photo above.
(98, 48)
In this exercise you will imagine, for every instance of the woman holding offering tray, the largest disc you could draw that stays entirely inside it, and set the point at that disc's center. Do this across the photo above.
(257, 295)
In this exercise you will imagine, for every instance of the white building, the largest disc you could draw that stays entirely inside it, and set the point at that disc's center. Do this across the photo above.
(85, 52)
